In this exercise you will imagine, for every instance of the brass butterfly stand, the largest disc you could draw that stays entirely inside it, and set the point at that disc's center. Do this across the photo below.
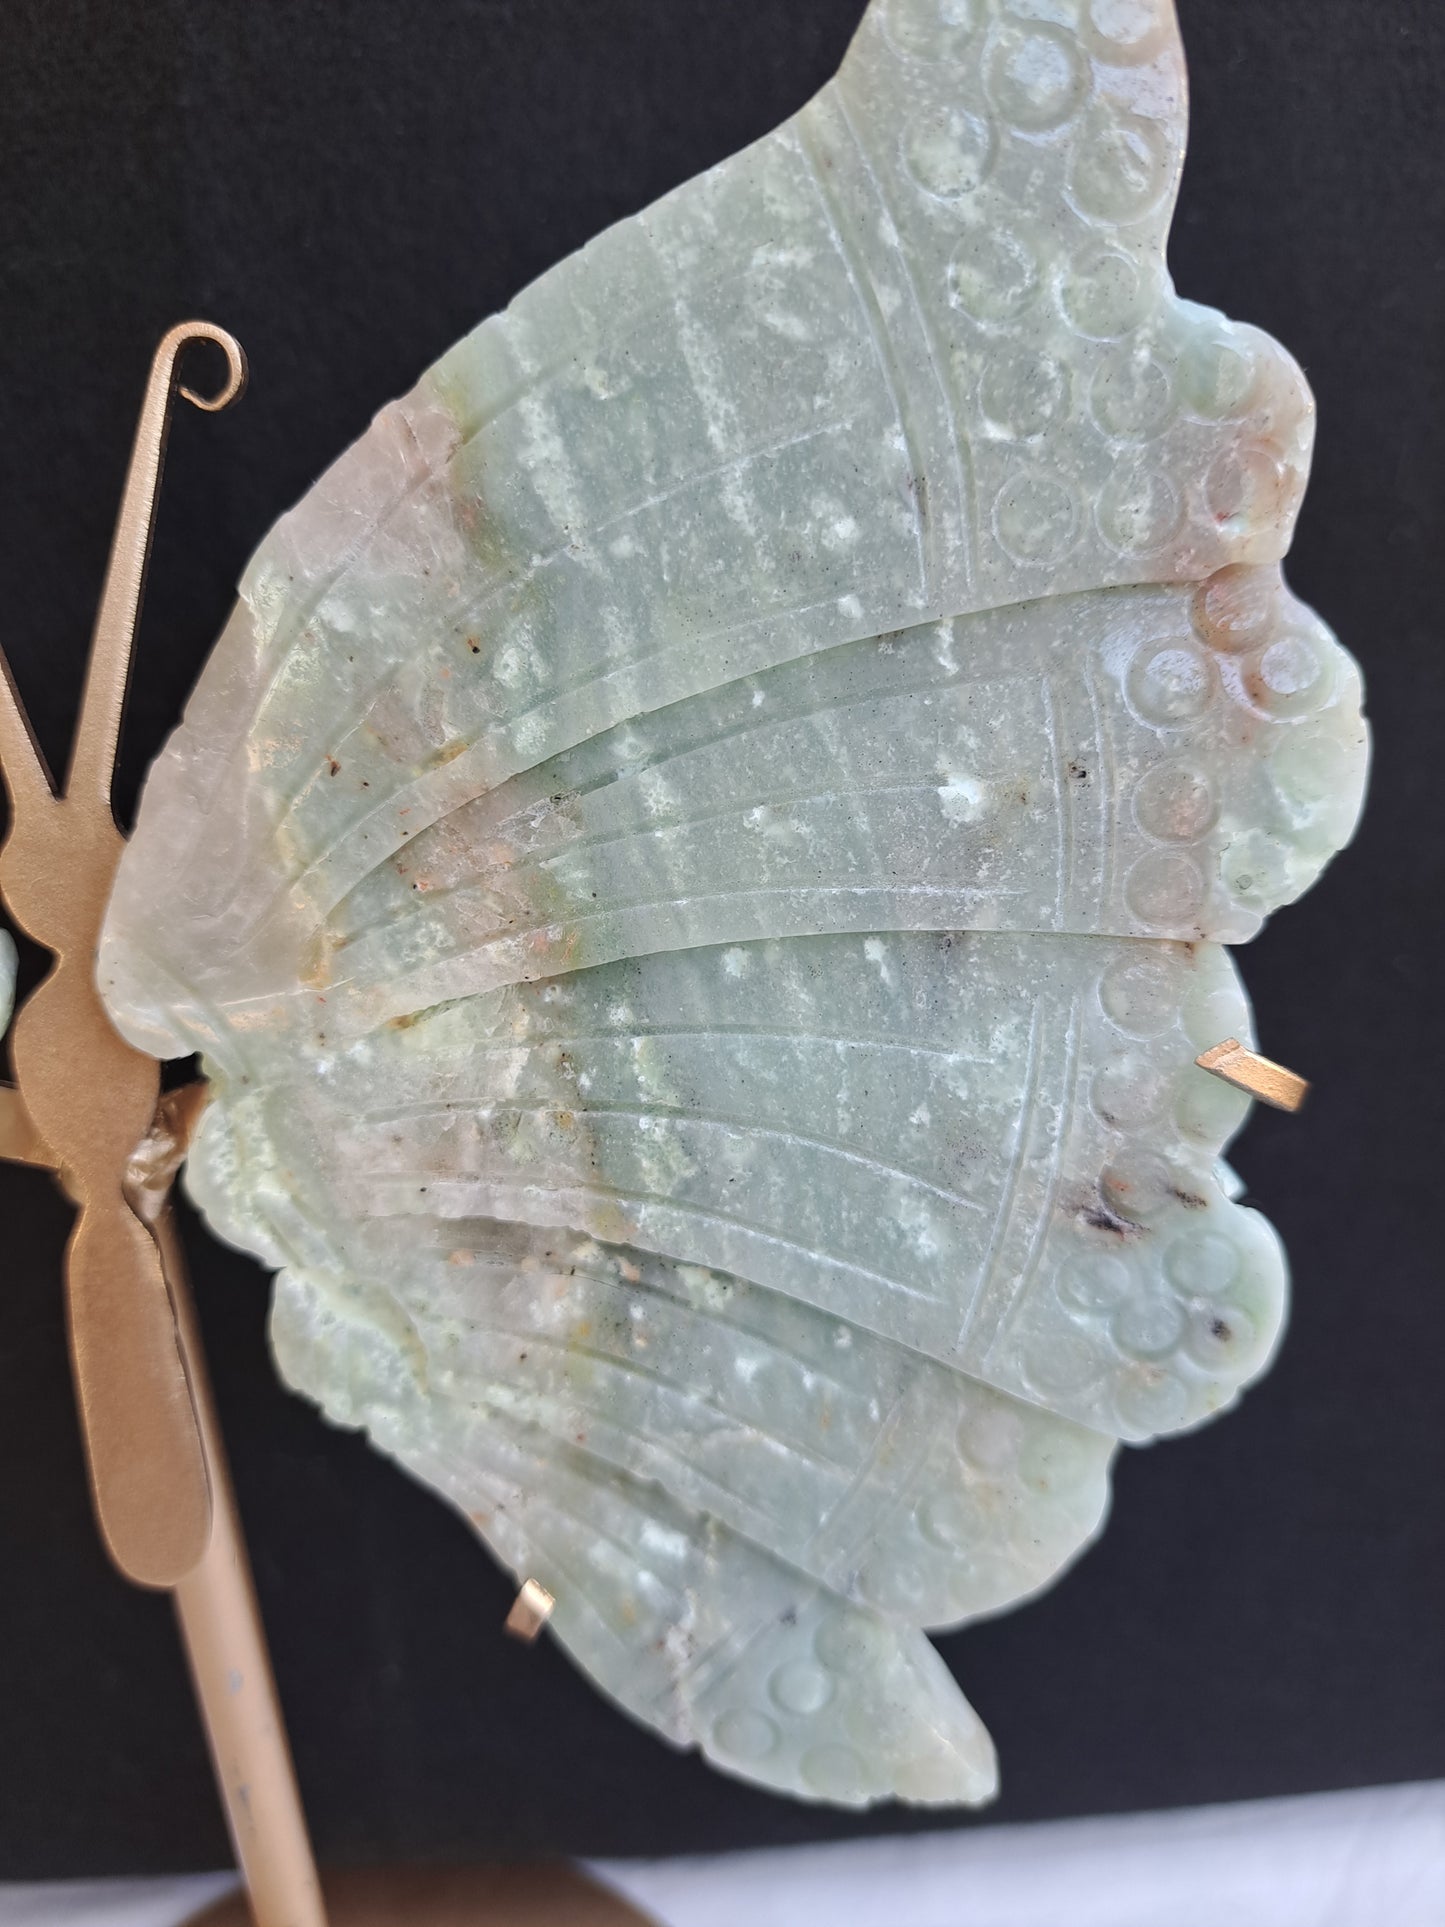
(88, 1108)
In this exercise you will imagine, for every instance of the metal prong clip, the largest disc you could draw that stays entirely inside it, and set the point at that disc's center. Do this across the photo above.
(531, 1609)
(1271, 1083)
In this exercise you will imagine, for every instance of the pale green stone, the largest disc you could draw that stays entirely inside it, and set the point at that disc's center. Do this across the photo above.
(566, 860)
(7, 978)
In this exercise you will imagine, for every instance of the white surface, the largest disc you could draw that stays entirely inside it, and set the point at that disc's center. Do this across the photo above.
(1374, 1858)
(109, 1903)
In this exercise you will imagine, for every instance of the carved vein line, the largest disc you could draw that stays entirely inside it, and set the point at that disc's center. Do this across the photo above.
(707, 1121)
(1068, 1110)
(882, 348)
(1108, 814)
(1067, 829)
(953, 435)
(1012, 1178)
(475, 609)
(582, 1188)
(540, 1041)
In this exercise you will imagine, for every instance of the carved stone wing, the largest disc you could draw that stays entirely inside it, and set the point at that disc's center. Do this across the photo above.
(697, 866)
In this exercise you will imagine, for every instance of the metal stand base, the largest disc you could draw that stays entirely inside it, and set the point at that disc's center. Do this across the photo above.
(453, 1897)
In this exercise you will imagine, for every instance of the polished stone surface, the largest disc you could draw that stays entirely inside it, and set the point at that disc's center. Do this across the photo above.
(563, 862)
(7, 978)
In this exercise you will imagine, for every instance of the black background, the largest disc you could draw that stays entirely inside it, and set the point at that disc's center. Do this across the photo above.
(350, 187)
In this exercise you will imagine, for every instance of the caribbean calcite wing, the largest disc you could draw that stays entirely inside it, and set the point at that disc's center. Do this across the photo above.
(697, 869)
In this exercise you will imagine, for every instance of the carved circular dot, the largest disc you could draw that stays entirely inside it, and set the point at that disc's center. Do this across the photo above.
(1246, 490)
(1093, 1284)
(1142, 995)
(1023, 393)
(1170, 683)
(1216, 376)
(992, 276)
(954, 1520)
(1139, 509)
(1148, 1327)
(1125, 30)
(1222, 1338)
(989, 1437)
(745, 1736)
(1237, 607)
(801, 1687)
(1165, 889)
(1034, 517)
(1037, 79)
(1132, 399)
(1255, 868)
(1128, 1091)
(1203, 1265)
(948, 153)
(1122, 169)
(1104, 294)
(929, 29)
(896, 1586)
(1150, 1401)
(850, 1644)
(1062, 1365)
(1208, 1109)
(1212, 1015)
(1310, 768)
(837, 1772)
(1291, 677)
(1138, 1185)
(1175, 803)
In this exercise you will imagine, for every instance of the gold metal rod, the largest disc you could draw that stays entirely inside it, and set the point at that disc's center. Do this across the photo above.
(90, 1105)
(230, 1667)
(89, 1096)
(20, 759)
(107, 676)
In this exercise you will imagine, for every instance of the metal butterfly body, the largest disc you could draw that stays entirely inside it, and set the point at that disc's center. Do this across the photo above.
(696, 869)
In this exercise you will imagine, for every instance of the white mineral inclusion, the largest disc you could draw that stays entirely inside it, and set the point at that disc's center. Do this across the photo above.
(697, 869)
